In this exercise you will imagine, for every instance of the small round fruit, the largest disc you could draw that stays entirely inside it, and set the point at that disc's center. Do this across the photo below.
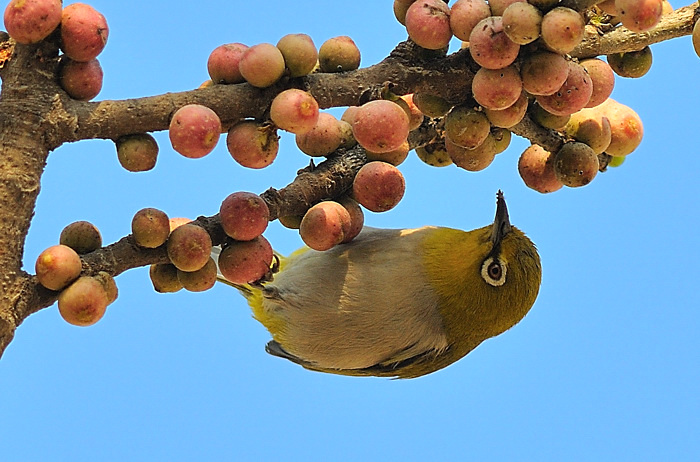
(522, 22)
(497, 88)
(300, 54)
(547, 119)
(84, 32)
(223, 62)
(415, 116)
(400, 9)
(194, 130)
(200, 280)
(357, 218)
(29, 21)
(489, 45)
(380, 126)
(325, 225)
(428, 24)
(82, 81)
(562, 29)
(431, 105)
(243, 262)
(150, 228)
(473, 160)
(466, 127)
(536, 168)
(81, 236)
(177, 222)
(244, 215)
(57, 266)
(378, 186)
(294, 110)
(262, 65)
(543, 73)
(633, 64)
(575, 164)
(498, 7)
(589, 126)
(138, 152)
(252, 144)
(572, 96)
(602, 78)
(324, 138)
(639, 15)
(339, 54)
(696, 38)
(189, 247)
(434, 155)
(108, 284)
(465, 15)
(84, 302)
(164, 278)
(395, 157)
(510, 116)
(626, 127)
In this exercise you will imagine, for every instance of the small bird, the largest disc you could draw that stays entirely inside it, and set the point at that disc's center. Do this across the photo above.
(398, 303)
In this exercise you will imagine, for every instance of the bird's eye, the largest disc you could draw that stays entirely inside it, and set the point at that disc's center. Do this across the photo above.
(493, 271)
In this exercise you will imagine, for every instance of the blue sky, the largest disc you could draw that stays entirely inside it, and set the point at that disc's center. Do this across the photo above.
(605, 366)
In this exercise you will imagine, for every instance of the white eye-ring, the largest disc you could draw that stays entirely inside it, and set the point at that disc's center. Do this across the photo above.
(493, 271)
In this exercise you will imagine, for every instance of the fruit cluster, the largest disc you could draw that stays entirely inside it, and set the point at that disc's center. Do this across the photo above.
(83, 35)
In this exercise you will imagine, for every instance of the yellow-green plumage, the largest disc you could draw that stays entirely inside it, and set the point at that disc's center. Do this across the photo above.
(398, 303)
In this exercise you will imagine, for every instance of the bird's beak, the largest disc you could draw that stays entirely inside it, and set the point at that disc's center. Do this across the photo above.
(501, 224)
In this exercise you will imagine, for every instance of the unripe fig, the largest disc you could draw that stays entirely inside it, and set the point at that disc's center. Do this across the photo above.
(602, 78)
(473, 160)
(498, 7)
(575, 164)
(200, 280)
(138, 152)
(291, 221)
(508, 117)
(465, 15)
(536, 168)
(84, 32)
(252, 144)
(244, 215)
(400, 9)
(164, 278)
(325, 225)
(189, 247)
(194, 130)
(223, 63)
(428, 24)
(502, 138)
(562, 29)
(489, 45)
(434, 155)
(81, 236)
(380, 126)
(108, 284)
(57, 266)
(633, 64)
(243, 262)
(84, 302)
(378, 186)
(466, 127)
(589, 126)
(395, 157)
(177, 222)
(82, 81)
(300, 54)
(522, 22)
(431, 105)
(294, 110)
(547, 119)
(696, 38)
(150, 227)
(339, 54)
(324, 138)
(29, 21)
(262, 65)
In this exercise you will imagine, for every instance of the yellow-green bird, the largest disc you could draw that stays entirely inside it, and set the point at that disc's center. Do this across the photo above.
(399, 302)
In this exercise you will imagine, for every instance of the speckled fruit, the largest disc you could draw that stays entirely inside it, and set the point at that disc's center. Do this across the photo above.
(473, 160)
(164, 278)
(625, 125)
(378, 186)
(339, 54)
(252, 144)
(589, 126)
(82, 81)
(194, 130)
(572, 96)
(84, 32)
(189, 247)
(300, 54)
(138, 152)
(434, 155)
(633, 64)
(602, 78)
(466, 127)
(543, 73)
(81, 236)
(562, 29)
(380, 126)
(506, 118)
(575, 164)
(547, 119)
(84, 302)
(57, 266)
(262, 65)
(498, 7)
(108, 284)
(325, 225)
(150, 227)
(324, 138)
(246, 261)
(428, 24)
(223, 62)
(465, 15)
(497, 88)
(294, 110)
(29, 21)
(639, 15)
(522, 22)
(244, 215)
(200, 280)
(489, 45)
(395, 157)
(536, 168)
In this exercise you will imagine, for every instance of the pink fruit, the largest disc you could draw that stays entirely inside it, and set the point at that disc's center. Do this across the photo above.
(395, 157)
(82, 81)
(465, 15)
(380, 126)
(536, 168)
(325, 225)
(29, 21)
(497, 88)
(294, 110)
(189, 247)
(57, 266)
(639, 15)
(543, 73)
(428, 24)
(244, 215)
(243, 262)
(223, 63)
(522, 22)
(591, 127)
(625, 126)
(252, 144)
(262, 65)
(378, 186)
(194, 130)
(572, 96)
(324, 138)
(508, 117)
(490, 46)
(84, 32)
(84, 302)
(602, 79)
(200, 280)
(562, 29)
(357, 218)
